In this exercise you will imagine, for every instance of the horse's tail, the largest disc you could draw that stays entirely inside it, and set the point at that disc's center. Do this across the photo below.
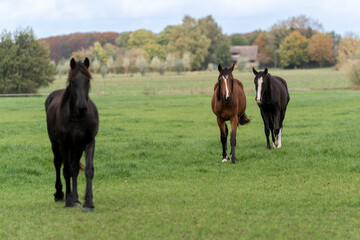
(82, 167)
(243, 119)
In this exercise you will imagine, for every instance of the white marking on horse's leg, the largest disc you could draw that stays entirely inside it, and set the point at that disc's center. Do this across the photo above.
(224, 160)
(226, 88)
(277, 143)
(279, 139)
(258, 92)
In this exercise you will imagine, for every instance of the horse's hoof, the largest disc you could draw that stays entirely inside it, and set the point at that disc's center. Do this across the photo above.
(59, 199)
(276, 145)
(224, 160)
(88, 209)
(77, 204)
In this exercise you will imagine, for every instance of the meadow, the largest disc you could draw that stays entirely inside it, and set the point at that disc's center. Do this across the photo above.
(158, 170)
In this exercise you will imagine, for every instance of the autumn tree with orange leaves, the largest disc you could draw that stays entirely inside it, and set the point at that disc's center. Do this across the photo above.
(265, 54)
(320, 49)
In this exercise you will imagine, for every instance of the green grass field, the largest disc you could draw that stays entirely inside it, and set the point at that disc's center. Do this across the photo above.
(158, 170)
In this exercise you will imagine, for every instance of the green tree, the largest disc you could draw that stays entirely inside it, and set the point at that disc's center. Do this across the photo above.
(294, 50)
(100, 53)
(212, 31)
(223, 55)
(163, 36)
(239, 40)
(123, 39)
(25, 63)
(140, 38)
(154, 49)
(188, 37)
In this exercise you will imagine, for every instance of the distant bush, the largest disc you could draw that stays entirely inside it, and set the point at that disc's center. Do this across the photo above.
(179, 65)
(104, 71)
(349, 58)
(353, 71)
(141, 64)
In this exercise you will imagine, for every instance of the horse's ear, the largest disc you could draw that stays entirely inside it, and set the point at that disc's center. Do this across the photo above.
(232, 67)
(87, 63)
(72, 63)
(266, 71)
(220, 68)
(254, 71)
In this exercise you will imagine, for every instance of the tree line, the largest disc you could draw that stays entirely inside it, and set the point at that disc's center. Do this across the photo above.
(195, 44)
(199, 44)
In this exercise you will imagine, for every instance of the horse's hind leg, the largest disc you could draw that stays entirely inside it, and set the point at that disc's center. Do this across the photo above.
(89, 173)
(59, 194)
(277, 129)
(75, 162)
(223, 137)
(282, 116)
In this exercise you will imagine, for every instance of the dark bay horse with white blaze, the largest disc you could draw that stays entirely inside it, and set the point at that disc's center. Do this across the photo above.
(272, 97)
(229, 103)
(72, 123)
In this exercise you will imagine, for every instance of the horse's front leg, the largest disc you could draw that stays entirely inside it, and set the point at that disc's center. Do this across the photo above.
(264, 116)
(234, 123)
(89, 173)
(223, 137)
(59, 194)
(75, 163)
(65, 152)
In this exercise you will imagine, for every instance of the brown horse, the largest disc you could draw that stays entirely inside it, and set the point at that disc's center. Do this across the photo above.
(72, 123)
(229, 103)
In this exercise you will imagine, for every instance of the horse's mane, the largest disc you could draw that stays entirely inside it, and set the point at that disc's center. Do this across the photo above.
(80, 67)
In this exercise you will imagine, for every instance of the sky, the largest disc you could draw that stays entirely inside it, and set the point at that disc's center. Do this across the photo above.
(59, 17)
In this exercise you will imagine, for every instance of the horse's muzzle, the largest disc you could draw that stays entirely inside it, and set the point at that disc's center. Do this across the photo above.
(227, 99)
(258, 101)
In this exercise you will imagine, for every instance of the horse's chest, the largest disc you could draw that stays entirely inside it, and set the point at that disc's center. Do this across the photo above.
(225, 113)
(80, 136)
(268, 107)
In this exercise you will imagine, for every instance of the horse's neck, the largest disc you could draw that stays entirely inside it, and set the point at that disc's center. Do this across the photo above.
(67, 100)
(268, 89)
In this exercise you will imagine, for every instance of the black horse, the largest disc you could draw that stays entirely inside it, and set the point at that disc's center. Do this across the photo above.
(72, 123)
(272, 97)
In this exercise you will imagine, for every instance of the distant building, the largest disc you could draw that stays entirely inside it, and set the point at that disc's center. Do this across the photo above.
(247, 53)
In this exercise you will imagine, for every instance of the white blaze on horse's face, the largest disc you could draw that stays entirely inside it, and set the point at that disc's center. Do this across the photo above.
(226, 87)
(259, 88)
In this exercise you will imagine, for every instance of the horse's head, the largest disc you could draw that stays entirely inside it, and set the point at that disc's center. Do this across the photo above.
(226, 83)
(79, 85)
(261, 82)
